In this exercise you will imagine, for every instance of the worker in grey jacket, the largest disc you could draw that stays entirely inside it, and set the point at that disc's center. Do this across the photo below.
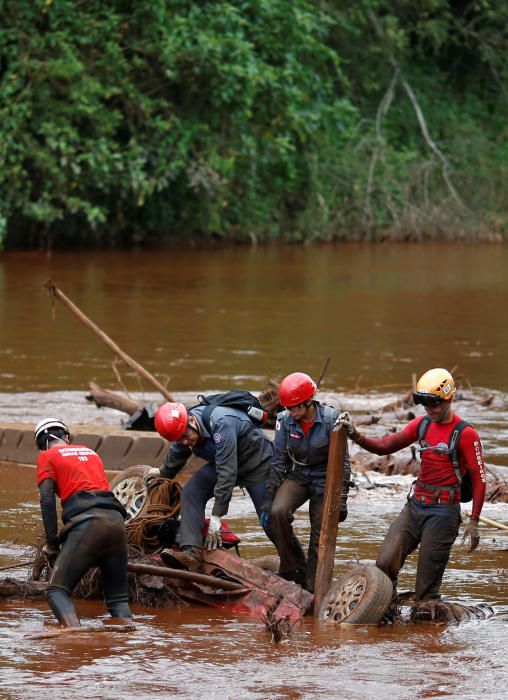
(236, 453)
(302, 440)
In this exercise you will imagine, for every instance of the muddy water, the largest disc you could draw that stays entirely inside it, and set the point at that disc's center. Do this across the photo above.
(210, 320)
(184, 653)
(205, 319)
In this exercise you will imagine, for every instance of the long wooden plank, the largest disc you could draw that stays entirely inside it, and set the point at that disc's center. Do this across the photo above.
(331, 511)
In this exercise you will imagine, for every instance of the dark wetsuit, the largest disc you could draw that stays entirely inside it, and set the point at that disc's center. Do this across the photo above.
(431, 517)
(94, 529)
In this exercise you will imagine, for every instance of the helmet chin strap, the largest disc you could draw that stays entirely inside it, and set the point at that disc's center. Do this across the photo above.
(194, 424)
(54, 437)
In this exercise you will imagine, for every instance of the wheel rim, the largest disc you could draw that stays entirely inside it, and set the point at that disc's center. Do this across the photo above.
(343, 601)
(132, 494)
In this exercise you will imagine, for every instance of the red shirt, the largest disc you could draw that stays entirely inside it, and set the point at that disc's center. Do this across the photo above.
(306, 425)
(73, 468)
(437, 469)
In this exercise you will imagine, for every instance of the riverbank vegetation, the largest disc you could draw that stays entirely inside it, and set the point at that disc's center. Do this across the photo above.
(131, 121)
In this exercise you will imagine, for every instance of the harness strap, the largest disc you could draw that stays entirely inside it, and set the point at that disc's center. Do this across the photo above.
(435, 491)
(453, 442)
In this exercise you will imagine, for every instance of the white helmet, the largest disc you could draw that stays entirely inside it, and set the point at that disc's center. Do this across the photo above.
(46, 428)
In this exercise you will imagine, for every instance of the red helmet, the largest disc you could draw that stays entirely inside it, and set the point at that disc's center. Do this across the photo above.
(296, 388)
(171, 421)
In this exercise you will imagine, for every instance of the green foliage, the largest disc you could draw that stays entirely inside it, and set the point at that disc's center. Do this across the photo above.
(249, 119)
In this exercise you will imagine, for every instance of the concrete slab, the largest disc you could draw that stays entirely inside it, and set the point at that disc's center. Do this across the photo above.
(27, 451)
(144, 450)
(10, 441)
(91, 440)
(113, 450)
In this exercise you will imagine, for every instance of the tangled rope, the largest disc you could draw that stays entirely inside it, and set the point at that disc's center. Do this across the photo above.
(163, 503)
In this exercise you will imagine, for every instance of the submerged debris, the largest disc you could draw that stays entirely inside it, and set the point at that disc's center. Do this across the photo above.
(281, 629)
(448, 611)
(150, 591)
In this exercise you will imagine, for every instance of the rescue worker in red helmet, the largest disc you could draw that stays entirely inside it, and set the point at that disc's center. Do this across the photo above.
(236, 452)
(302, 438)
(94, 529)
(431, 516)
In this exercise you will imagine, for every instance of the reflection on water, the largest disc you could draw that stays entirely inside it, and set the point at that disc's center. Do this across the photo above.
(183, 653)
(213, 318)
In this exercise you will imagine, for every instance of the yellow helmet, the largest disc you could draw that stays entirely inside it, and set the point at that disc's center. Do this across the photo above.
(436, 384)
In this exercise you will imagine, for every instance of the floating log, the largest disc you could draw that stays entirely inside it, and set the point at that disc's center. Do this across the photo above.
(108, 399)
(12, 588)
(85, 629)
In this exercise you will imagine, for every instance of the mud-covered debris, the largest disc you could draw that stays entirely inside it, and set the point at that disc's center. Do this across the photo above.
(448, 611)
(281, 629)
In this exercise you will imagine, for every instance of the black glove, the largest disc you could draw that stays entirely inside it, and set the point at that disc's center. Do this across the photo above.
(342, 515)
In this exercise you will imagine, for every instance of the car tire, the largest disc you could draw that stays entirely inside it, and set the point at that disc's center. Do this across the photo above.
(362, 596)
(131, 490)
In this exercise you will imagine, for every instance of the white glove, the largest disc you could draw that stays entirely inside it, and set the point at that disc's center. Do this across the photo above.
(152, 473)
(345, 420)
(50, 553)
(213, 539)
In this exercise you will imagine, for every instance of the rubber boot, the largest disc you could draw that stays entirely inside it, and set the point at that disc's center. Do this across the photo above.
(63, 608)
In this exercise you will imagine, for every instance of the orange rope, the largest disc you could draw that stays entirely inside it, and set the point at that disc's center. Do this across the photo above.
(164, 498)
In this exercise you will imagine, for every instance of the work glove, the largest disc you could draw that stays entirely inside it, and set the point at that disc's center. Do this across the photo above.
(264, 519)
(342, 514)
(50, 553)
(471, 530)
(213, 538)
(345, 419)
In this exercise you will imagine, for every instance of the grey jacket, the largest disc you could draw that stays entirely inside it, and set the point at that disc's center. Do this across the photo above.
(240, 452)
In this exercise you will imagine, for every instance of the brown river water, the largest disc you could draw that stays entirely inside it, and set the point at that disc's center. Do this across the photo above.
(210, 320)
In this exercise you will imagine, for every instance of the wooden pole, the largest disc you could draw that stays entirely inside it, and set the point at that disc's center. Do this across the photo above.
(331, 511)
(167, 572)
(54, 291)
(323, 371)
(488, 521)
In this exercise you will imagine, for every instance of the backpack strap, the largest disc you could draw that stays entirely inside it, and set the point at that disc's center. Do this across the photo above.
(328, 418)
(453, 447)
(205, 416)
(423, 426)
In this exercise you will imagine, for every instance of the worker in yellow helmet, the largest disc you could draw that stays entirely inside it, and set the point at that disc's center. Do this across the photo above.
(452, 464)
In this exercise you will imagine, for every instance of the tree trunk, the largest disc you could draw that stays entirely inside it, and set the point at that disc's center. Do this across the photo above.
(13, 588)
(108, 399)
